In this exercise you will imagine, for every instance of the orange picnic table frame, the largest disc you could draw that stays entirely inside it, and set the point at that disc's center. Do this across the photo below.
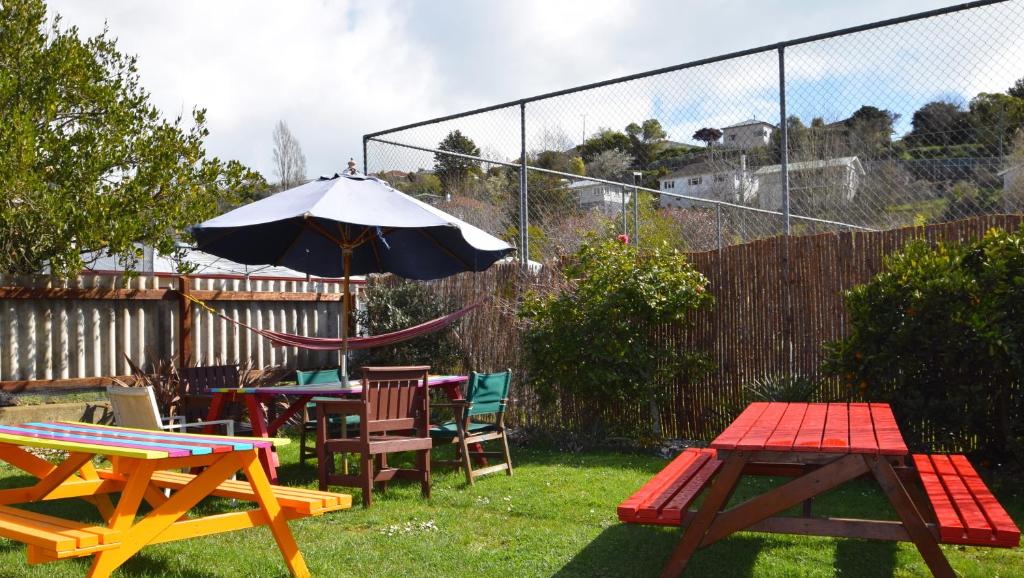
(144, 464)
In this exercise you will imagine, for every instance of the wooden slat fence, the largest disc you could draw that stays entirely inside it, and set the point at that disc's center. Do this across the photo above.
(67, 334)
(768, 320)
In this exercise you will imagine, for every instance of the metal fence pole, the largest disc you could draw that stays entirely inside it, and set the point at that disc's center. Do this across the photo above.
(365, 140)
(524, 201)
(787, 304)
(718, 225)
(636, 210)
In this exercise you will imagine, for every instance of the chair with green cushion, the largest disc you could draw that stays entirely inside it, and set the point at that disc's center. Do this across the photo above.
(486, 396)
(316, 377)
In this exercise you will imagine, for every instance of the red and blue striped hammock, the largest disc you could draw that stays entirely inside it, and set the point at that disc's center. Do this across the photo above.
(281, 339)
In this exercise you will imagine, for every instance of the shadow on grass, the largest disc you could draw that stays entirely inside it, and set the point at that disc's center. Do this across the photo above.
(632, 550)
(865, 558)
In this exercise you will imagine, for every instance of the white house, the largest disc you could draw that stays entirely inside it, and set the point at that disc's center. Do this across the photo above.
(715, 181)
(826, 181)
(594, 195)
(1013, 188)
(748, 134)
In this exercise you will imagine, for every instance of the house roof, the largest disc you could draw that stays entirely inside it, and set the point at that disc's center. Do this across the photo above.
(584, 183)
(701, 168)
(749, 122)
(853, 162)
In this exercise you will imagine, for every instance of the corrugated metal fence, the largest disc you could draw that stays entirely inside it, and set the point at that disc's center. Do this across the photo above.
(67, 334)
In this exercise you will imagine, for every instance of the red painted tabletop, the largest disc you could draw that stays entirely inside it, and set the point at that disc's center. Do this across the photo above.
(866, 428)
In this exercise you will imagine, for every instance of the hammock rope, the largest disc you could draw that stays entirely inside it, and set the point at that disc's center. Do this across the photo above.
(281, 339)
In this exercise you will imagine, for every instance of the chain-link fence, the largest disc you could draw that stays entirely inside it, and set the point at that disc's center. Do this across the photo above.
(909, 121)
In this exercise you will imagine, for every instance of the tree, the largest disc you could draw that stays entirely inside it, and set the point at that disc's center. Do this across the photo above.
(995, 118)
(646, 142)
(289, 162)
(610, 165)
(1017, 90)
(940, 123)
(576, 166)
(452, 170)
(708, 135)
(606, 139)
(869, 128)
(87, 162)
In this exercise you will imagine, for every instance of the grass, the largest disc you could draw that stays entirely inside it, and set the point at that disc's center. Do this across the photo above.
(555, 517)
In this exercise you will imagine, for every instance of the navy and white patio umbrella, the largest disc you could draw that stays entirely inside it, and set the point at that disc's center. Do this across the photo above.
(349, 225)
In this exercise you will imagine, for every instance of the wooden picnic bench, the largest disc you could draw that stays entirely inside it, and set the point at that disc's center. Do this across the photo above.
(938, 498)
(143, 463)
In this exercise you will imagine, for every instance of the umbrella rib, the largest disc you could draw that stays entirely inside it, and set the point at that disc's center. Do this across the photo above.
(288, 248)
(446, 250)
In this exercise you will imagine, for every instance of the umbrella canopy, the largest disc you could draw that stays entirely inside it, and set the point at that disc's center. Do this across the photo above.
(307, 228)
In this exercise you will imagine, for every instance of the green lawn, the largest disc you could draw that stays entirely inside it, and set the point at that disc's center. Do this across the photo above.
(555, 517)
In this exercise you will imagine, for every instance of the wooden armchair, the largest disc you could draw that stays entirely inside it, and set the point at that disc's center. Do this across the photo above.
(394, 412)
(486, 395)
(195, 389)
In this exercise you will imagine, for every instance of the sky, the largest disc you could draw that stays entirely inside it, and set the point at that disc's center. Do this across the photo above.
(335, 70)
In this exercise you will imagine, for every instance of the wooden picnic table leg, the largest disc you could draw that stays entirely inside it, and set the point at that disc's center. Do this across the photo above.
(721, 488)
(259, 429)
(216, 408)
(105, 562)
(275, 516)
(911, 517)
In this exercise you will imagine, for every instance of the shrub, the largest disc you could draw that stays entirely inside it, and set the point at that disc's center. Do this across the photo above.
(393, 305)
(596, 338)
(940, 335)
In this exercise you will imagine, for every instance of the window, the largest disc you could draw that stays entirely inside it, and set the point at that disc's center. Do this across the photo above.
(719, 178)
(694, 181)
(668, 185)
(732, 137)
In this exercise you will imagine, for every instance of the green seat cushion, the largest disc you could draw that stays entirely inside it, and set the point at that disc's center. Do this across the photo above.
(448, 429)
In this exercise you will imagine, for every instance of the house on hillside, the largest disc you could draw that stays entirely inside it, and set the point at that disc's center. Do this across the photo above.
(711, 180)
(826, 181)
(748, 134)
(1013, 188)
(601, 196)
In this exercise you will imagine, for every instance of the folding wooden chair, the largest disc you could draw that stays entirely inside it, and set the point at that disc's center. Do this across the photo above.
(486, 396)
(136, 407)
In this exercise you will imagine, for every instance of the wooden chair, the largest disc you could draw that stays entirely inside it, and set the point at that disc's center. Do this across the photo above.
(194, 390)
(135, 407)
(314, 377)
(394, 413)
(486, 396)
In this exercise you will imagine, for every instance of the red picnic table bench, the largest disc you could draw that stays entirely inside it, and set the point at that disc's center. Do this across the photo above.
(938, 498)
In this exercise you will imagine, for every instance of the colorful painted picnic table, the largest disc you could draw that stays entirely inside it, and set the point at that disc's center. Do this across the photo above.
(255, 397)
(143, 463)
(937, 498)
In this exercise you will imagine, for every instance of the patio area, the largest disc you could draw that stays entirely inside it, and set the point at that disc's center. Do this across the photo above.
(555, 517)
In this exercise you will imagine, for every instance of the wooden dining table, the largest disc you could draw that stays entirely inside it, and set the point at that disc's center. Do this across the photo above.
(143, 466)
(254, 399)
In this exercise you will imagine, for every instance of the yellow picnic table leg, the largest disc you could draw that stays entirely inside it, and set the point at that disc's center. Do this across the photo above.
(275, 517)
(101, 501)
(161, 517)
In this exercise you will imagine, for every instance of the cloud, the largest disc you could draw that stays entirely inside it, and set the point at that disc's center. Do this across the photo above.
(336, 70)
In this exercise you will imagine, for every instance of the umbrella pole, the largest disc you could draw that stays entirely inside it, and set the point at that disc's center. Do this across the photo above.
(346, 265)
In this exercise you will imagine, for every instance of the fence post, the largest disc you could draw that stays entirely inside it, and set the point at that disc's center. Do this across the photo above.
(718, 225)
(636, 210)
(787, 281)
(524, 201)
(184, 320)
(365, 140)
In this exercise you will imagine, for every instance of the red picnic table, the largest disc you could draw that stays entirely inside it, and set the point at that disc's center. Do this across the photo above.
(255, 397)
(938, 498)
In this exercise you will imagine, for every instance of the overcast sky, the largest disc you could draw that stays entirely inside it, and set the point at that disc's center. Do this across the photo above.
(336, 70)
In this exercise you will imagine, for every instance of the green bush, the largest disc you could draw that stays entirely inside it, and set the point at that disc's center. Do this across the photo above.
(392, 306)
(940, 335)
(597, 339)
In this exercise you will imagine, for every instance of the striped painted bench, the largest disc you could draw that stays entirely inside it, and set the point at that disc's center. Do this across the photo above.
(49, 538)
(297, 502)
(665, 498)
(965, 510)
